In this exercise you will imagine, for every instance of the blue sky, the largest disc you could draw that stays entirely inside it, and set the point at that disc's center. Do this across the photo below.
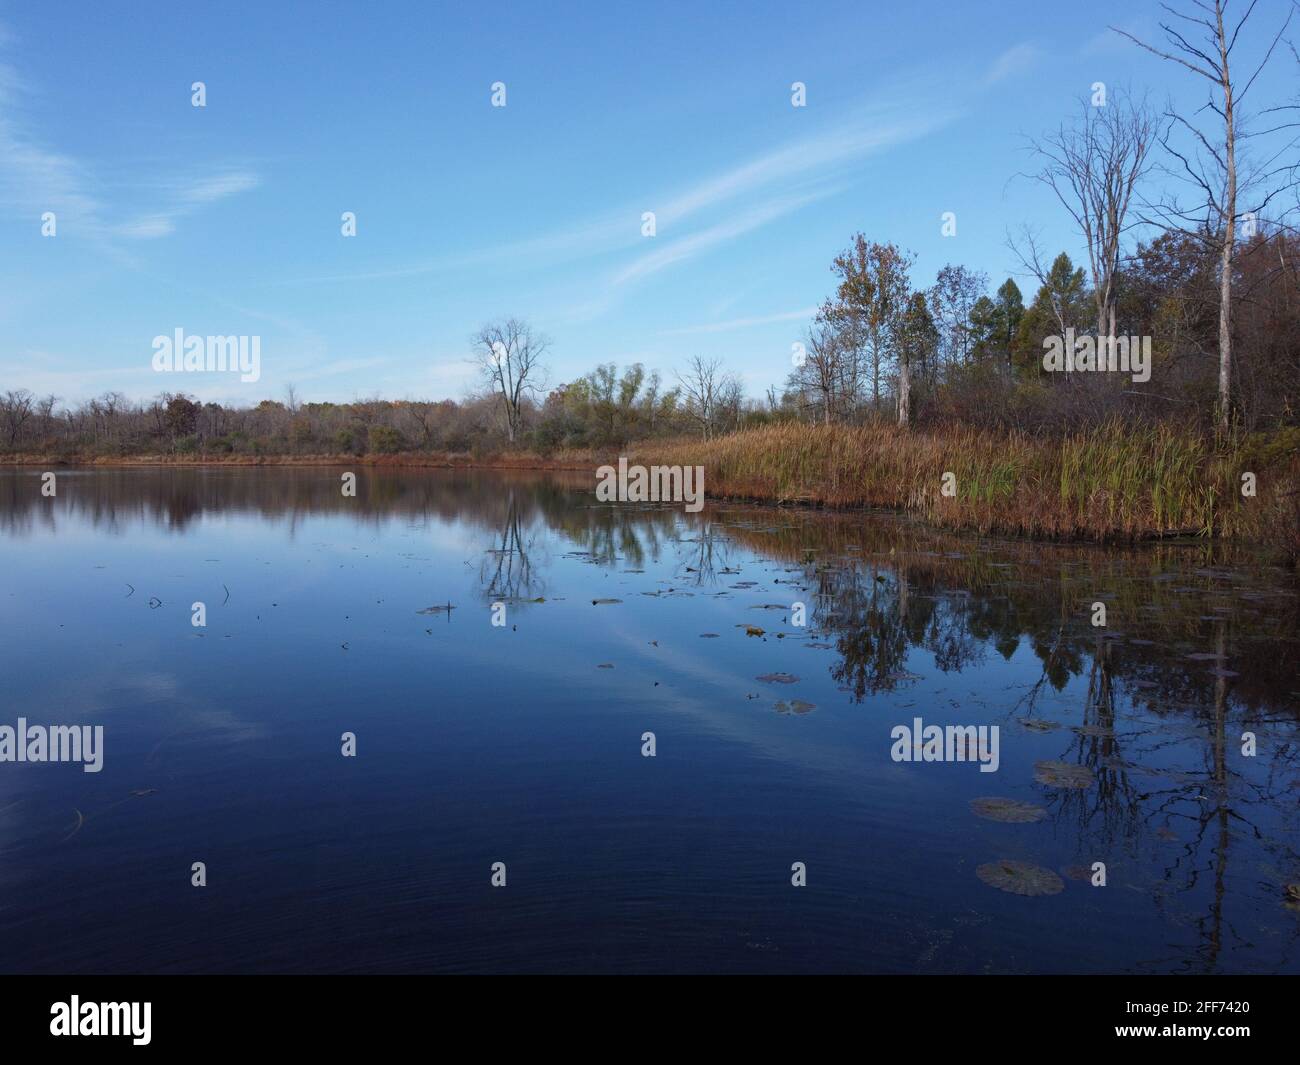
(226, 219)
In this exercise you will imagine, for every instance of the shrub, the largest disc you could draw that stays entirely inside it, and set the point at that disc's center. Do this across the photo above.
(385, 440)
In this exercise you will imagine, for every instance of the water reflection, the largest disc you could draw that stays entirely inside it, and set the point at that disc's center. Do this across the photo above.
(1200, 653)
(884, 590)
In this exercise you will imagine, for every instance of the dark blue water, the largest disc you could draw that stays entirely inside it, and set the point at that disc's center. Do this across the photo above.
(522, 743)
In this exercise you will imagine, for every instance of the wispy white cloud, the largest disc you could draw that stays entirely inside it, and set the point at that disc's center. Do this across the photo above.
(41, 372)
(1109, 44)
(216, 187)
(35, 178)
(334, 369)
(146, 227)
(1018, 59)
(688, 247)
(181, 198)
(826, 155)
(743, 323)
(823, 155)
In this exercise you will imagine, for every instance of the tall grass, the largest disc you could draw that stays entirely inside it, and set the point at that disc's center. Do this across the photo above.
(1117, 482)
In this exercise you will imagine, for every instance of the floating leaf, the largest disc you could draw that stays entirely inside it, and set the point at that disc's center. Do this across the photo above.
(446, 608)
(1011, 811)
(1035, 724)
(1062, 775)
(777, 678)
(603, 602)
(795, 706)
(1020, 878)
(708, 636)
(753, 630)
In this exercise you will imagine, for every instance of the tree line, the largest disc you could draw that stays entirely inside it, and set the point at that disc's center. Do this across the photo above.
(1205, 263)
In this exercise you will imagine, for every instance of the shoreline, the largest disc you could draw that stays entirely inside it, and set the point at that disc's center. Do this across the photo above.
(1122, 485)
(412, 460)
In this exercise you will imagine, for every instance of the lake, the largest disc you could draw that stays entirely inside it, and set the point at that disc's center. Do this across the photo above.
(1159, 750)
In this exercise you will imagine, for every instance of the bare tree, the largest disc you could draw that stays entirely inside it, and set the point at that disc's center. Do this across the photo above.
(16, 407)
(731, 403)
(1093, 167)
(827, 377)
(508, 355)
(1212, 165)
(111, 406)
(45, 414)
(703, 384)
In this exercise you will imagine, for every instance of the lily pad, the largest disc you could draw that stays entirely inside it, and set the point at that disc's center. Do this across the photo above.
(795, 706)
(1010, 811)
(778, 678)
(1063, 775)
(1020, 878)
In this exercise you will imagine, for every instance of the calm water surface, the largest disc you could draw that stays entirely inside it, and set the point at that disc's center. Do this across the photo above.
(522, 744)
